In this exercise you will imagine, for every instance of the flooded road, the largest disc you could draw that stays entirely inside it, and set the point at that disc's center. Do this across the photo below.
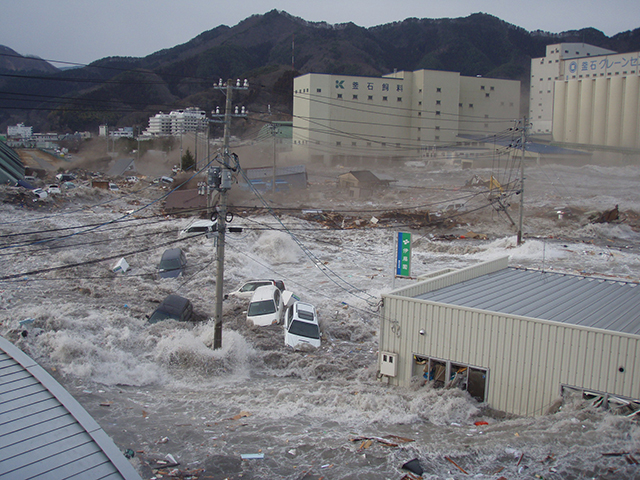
(162, 392)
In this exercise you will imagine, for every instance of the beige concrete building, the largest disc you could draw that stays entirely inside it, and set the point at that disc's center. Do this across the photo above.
(517, 340)
(586, 95)
(359, 120)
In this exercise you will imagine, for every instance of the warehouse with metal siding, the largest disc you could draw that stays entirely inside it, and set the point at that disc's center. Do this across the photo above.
(516, 337)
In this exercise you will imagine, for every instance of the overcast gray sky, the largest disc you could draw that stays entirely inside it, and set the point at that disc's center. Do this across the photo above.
(86, 30)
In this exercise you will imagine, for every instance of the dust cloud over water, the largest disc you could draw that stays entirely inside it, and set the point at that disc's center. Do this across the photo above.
(162, 390)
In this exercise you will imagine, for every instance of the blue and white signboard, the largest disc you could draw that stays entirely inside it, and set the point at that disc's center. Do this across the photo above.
(403, 260)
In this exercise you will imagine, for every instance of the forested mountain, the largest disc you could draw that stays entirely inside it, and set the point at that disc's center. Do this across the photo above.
(269, 50)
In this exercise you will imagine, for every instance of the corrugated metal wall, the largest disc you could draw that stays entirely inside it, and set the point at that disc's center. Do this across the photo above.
(527, 359)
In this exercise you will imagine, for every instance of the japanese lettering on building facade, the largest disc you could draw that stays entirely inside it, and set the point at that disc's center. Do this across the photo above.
(623, 63)
(371, 86)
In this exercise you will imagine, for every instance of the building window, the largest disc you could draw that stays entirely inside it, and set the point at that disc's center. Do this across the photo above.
(319, 90)
(370, 97)
(354, 144)
(511, 104)
(399, 99)
(355, 97)
(437, 137)
(481, 87)
(438, 90)
(487, 95)
(368, 144)
(492, 88)
(460, 105)
(419, 129)
(486, 125)
(437, 102)
(419, 90)
(384, 144)
(471, 105)
(437, 127)
(420, 102)
(397, 145)
(339, 95)
(338, 144)
(437, 112)
(419, 114)
(384, 99)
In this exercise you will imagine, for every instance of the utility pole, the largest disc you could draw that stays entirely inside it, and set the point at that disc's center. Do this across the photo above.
(225, 186)
(523, 143)
(195, 166)
(274, 131)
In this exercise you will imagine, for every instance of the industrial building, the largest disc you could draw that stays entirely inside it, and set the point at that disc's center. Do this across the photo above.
(360, 120)
(517, 340)
(586, 95)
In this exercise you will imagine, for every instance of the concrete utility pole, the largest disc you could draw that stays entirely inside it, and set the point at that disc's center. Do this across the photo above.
(225, 186)
(274, 131)
(524, 142)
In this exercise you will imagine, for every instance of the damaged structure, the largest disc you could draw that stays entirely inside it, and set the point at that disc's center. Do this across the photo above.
(517, 340)
(361, 183)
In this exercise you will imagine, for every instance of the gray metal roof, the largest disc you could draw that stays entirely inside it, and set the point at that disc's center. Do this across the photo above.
(585, 301)
(45, 433)
(266, 172)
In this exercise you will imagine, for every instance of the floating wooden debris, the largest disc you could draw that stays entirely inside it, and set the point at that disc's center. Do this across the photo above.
(457, 466)
(387, 440)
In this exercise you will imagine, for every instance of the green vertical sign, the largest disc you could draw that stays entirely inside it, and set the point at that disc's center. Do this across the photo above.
(403, 261)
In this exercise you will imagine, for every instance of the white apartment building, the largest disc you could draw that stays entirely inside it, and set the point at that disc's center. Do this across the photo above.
(19, 131)
(341, 118)
(582, 94)
(191, 119)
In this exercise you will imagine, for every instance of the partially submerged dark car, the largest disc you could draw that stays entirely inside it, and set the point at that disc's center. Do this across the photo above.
(174, 307)
(172, 263)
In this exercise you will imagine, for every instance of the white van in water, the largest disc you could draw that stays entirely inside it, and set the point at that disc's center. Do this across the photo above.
(301, 326)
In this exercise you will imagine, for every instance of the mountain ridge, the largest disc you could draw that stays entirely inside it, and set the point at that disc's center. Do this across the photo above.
(270, 50)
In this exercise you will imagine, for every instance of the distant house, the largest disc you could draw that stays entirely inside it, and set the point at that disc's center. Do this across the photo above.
(361, 183)
(287, 178)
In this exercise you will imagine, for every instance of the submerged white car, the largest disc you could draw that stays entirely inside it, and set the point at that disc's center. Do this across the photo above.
(245, 291)
(199, 227)
(266, 307)
(301, 326)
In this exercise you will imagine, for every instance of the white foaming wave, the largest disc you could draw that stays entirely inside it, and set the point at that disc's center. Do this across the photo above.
(103, 360)
(277, 247)
(190, 352)
(531, 251)
(608, 231)
(355, 403)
